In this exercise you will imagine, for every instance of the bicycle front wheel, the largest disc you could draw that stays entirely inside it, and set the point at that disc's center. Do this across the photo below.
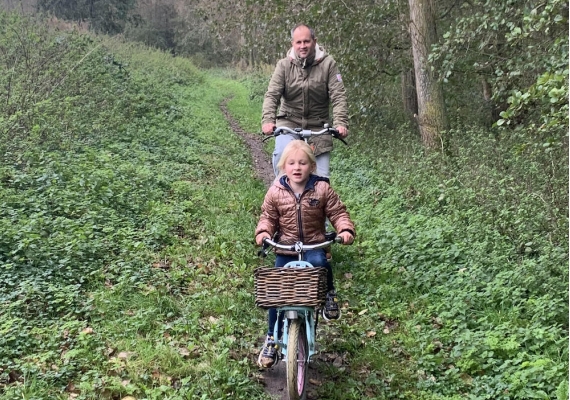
(297, 360)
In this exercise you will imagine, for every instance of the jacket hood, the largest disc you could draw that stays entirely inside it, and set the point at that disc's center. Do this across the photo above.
(320, 54)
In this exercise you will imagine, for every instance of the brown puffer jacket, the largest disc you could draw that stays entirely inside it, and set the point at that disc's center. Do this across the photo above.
(304, 219)
(304, 94)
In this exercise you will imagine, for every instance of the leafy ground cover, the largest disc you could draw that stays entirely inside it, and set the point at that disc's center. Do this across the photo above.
(126, 239)
(126, 213)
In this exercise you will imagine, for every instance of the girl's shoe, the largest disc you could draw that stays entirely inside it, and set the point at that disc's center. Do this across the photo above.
(268, 355)
(331, 309)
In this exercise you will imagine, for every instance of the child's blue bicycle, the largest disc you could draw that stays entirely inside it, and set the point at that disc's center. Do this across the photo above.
(297, 291)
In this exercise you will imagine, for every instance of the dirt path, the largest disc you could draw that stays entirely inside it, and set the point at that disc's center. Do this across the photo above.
(262, 161)
(272, 378)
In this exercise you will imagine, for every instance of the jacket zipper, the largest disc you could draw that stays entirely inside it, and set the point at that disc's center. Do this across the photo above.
(299, 220)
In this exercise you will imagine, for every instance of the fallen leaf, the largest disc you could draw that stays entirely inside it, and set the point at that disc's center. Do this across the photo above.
(123, 355)
(386, 331)
(348, 275)
(371, 333)
(315, 382)
(70, 387)
(363, 312)
(87, 331)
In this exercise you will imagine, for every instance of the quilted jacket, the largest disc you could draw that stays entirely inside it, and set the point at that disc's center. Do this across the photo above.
(302, 219)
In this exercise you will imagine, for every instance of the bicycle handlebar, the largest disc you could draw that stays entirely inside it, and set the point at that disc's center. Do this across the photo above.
(306, 133)
(297, 247)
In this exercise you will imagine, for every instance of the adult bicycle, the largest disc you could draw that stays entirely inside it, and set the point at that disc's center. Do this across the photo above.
(297, 290)
(323, 159)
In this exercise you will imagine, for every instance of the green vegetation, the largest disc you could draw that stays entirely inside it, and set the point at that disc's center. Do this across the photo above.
(127, 208)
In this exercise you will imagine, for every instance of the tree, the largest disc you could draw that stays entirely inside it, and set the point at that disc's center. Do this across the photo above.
(155, 24)
(519, 50)
(431, 109)
(105, 16)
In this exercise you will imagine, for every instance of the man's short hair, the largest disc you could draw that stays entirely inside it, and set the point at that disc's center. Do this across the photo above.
(306, 26)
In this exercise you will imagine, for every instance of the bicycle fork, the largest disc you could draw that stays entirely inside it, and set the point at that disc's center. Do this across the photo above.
(306, 316)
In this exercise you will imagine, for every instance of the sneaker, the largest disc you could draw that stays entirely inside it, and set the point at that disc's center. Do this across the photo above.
(331, 310)
(268, 355)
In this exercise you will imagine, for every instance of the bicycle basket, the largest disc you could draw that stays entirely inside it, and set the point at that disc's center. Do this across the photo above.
(280, 287)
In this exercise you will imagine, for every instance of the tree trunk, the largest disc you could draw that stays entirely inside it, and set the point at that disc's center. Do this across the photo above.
(492, 108)
(409, 95)
(431, 109)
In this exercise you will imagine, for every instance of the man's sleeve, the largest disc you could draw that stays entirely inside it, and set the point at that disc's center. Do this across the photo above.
(337, 95)
(273, 95)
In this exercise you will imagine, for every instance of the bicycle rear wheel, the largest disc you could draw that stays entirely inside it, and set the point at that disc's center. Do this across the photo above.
(297, 360)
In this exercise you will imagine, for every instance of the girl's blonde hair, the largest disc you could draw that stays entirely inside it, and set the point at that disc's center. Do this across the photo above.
(292, 147)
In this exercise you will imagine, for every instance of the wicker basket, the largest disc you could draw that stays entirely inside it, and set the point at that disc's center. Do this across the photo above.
(292, 286)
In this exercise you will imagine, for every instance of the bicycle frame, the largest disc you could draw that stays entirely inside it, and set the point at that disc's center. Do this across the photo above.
(298, 342)
(307, 314)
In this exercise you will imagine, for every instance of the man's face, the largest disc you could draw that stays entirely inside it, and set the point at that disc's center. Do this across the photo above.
(302, 42)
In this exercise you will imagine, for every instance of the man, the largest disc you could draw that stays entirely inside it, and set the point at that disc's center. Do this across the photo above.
(303, 86)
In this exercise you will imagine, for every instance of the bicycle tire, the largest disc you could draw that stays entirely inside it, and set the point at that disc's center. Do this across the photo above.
(297, 360)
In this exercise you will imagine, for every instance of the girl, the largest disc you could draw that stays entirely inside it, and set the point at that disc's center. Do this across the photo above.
(297, 206)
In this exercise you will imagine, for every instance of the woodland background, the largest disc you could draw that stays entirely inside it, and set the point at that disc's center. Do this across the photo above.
(123, 273)
(483, 57)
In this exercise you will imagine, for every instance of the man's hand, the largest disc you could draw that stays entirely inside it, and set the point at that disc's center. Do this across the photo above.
(268, 128)
(347, 237)
(263, 235)
(342, 131)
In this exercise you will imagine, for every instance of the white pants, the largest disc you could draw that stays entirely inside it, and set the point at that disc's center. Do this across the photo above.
(323, 160)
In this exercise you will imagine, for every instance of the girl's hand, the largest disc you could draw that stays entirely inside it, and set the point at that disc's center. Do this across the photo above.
(263, 235)
(347, 237)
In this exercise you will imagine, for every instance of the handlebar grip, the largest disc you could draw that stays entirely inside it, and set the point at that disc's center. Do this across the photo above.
(264, 247)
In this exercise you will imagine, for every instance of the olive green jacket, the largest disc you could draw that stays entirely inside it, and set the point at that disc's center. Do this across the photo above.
(304, 96)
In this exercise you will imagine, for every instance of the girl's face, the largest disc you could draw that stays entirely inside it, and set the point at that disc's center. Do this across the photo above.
(298, 167)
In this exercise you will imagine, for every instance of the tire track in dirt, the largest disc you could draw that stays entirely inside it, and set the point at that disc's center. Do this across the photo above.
(261, 160)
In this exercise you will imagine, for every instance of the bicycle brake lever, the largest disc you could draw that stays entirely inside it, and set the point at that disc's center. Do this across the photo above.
(337, 136)
(330, 236)
(264, 250)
